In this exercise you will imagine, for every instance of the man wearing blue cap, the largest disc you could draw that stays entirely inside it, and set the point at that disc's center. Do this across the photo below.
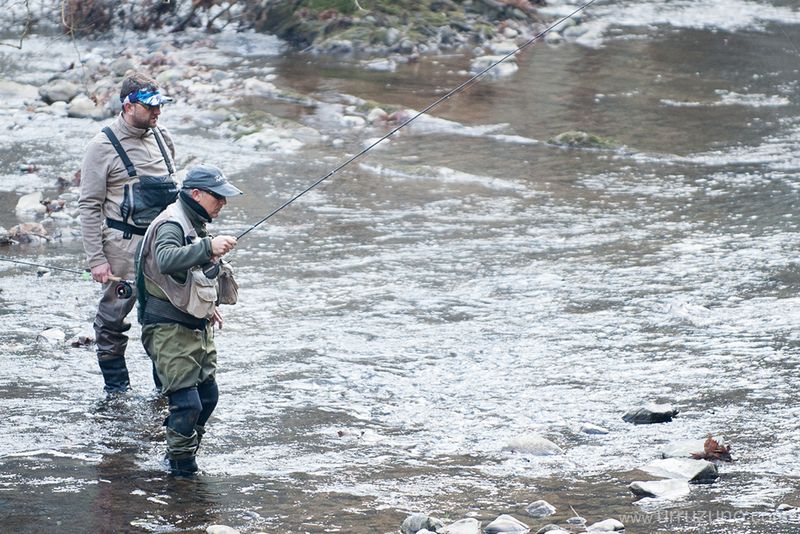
(181, 280)
(126, 180)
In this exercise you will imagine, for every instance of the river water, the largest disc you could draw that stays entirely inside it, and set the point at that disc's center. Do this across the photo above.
(462, 285)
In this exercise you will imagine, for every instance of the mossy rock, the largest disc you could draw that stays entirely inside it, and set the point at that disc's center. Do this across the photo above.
(578, 139)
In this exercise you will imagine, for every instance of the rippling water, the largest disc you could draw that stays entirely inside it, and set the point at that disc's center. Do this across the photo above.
(463, 285)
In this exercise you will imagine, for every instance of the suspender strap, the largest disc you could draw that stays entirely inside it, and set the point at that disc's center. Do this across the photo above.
(162, 148)
(124, 156)
(120, 151)
(127, 229)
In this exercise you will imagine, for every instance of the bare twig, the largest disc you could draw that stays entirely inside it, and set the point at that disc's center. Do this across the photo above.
(25, 29)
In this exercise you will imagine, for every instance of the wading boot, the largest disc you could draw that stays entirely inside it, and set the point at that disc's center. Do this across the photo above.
(115, 375)
(183, 467)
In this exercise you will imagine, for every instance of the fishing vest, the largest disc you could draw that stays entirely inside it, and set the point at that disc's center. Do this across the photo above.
(197, 296)
(147, 196)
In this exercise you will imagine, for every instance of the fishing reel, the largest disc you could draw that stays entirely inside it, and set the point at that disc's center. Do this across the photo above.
(123, 289)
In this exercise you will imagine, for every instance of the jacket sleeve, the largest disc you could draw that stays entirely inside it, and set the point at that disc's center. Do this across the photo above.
(175, 258)
(94, 171)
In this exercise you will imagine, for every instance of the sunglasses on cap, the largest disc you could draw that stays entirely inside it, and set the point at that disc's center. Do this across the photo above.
(150, 99)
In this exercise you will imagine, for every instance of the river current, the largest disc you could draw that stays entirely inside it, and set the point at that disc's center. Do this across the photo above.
(464, 284)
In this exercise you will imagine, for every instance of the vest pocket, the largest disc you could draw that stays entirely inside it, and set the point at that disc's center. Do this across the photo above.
(203, 295)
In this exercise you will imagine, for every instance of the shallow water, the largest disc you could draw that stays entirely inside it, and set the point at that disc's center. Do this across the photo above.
(463, 285)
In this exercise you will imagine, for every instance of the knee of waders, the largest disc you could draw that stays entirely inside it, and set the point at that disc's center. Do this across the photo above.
(184, 409)
(209, 395)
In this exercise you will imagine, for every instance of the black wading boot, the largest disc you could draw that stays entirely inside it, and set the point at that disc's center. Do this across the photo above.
(183, 467)
(115, 375)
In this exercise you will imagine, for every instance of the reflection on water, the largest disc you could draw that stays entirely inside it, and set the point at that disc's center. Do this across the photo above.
(460, 287)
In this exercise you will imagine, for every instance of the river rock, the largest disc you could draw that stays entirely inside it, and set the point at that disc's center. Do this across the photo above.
(589, 428)
(506, 524)
(30, 203)
(578, 139)
(697, 471)
(607, 525)
(59, 91)
(506, 68)
(661, 489)
(785, 508)
(121, 66)
(650, 413)
(416, 522)
(53, 336)
(540, 509)
(221, 529)
(683, 449)
(577, 520)
(533, 444)
(83, 107)
(29, 233)
(551, 529)
(463, 526)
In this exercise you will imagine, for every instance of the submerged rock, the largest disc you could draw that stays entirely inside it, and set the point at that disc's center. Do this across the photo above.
(533, 444)
(589, 428)
(697, 471)
(607, 525)
(578, 139)
(53, 336)
(507, 67)
(540, 509)
(416, 522)
(660, 489)
(221, 529)
(506, 524)
(463, 526)
(651, 413)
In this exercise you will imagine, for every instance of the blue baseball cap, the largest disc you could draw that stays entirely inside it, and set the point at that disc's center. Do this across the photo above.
(210, 178)
(147, 96)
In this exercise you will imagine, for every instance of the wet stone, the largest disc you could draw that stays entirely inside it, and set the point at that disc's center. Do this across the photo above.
(697, 471)
(534, 445)
(30, 203)
(551, 529)
(540, 509)
(607, 525)
(577, 520)
(221, 529)
(416, 522)
(506, 524)
(661, 489)
(463, 526)
(52, 336)
(59, 91)
(593, 430)
(650, 413)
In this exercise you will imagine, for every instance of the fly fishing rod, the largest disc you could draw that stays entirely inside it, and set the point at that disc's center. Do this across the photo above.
(431, 106)
(123, 288)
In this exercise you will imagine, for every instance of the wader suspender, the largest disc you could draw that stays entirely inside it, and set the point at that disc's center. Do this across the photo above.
(129, 229)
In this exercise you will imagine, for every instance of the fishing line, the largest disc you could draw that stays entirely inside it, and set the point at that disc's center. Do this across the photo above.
(431, 106)
(123, 288)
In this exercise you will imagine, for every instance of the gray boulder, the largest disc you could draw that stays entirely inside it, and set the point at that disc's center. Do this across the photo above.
(589, 428)
(533, 444)
(463, 526)
(59, 91)
(661, 489)
(416, 522)
(697, 471)
(650, 413)
(607, 525)
(506, 524)
(83, 107)
(540, 509)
